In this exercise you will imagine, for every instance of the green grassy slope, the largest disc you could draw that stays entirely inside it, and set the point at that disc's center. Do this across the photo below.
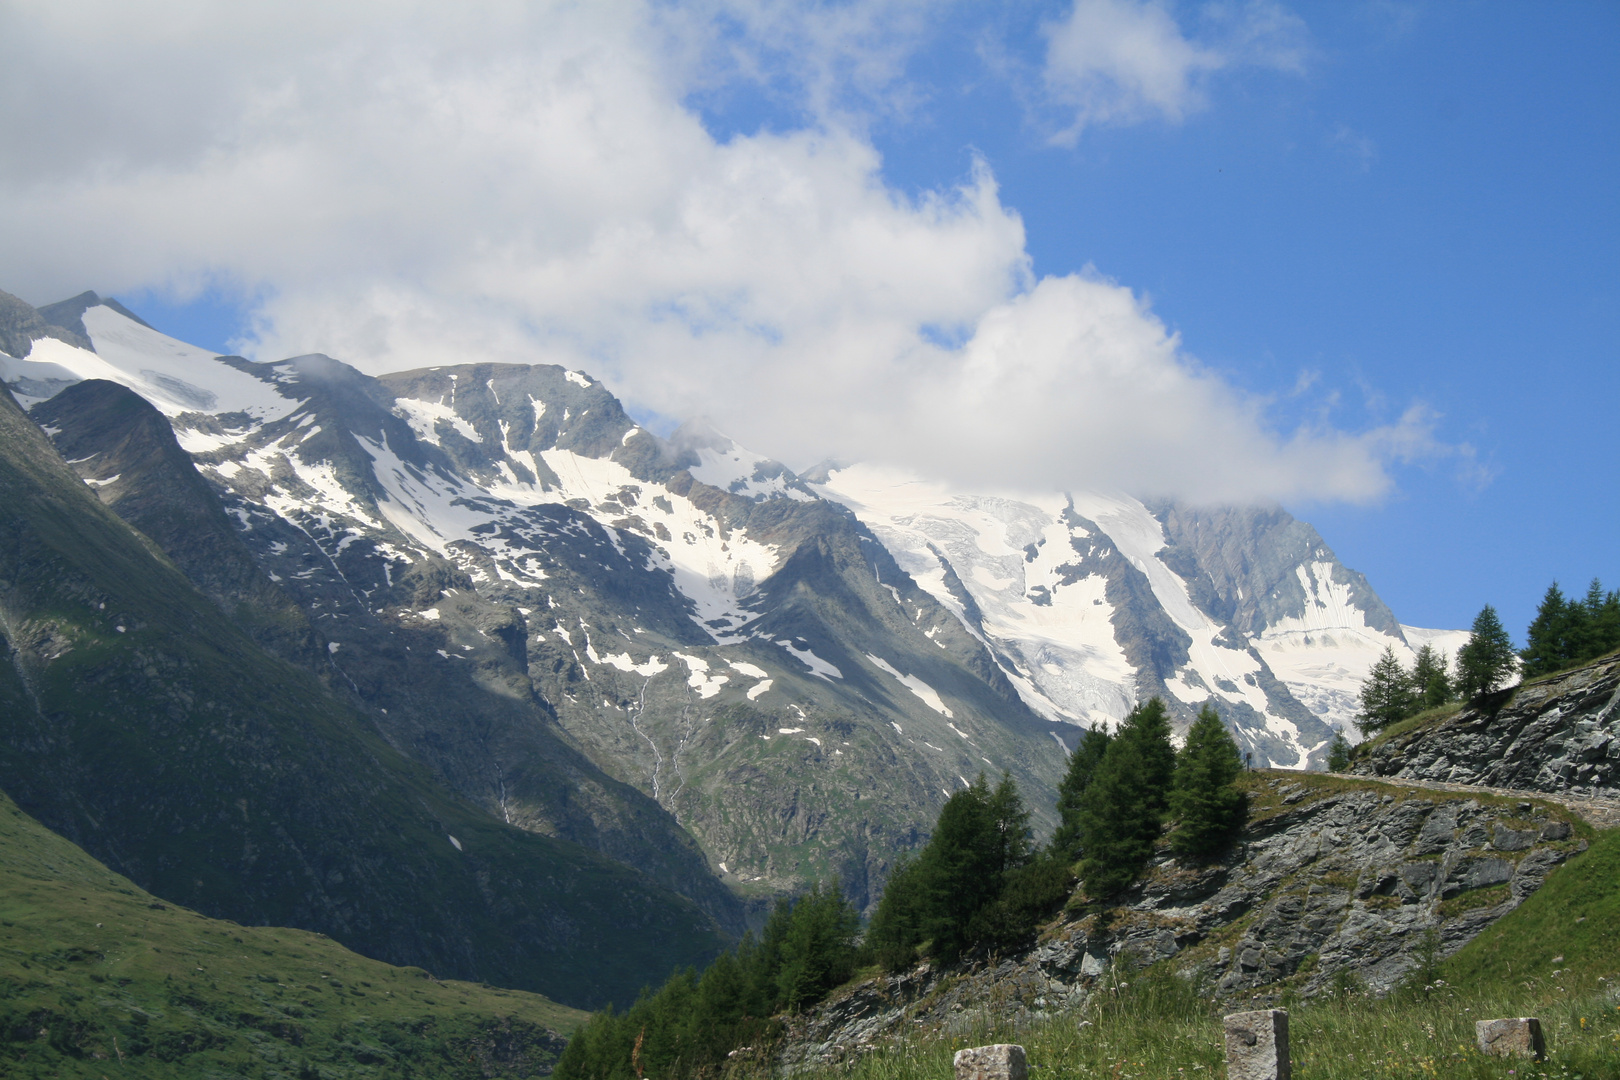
(98, 977)
(140, 723)
(1571, 925)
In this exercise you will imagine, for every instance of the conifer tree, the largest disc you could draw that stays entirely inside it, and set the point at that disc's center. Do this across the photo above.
(1338, 759)
(1487, 660)
(1548, 641)
(818, 947)
(1598, 627)
(1068, 841)
(1431, 686)
(1122, 809)
(1606, 624)
(896, 929)
(1386, 695)
(1205, 801)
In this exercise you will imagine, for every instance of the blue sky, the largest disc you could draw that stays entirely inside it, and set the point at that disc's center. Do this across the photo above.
(1384, 234)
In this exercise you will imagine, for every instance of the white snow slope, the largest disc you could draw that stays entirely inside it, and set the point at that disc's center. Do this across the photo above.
(1055, 634)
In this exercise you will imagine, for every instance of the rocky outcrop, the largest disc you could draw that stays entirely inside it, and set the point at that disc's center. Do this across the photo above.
(1333, 882)
(1560, 735)
(21, 326)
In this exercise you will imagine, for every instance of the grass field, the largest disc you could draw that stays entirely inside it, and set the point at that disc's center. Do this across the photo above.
(100, 979)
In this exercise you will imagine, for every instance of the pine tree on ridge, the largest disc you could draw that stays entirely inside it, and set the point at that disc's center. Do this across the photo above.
(1205, 801)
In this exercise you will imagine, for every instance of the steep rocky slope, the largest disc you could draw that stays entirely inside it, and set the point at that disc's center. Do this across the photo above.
(126, 451)
(1560, 734)
(1333, 882)
(141, 723)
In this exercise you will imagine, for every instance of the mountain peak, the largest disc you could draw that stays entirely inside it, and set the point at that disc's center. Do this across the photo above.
(69, 314)
(21, 325)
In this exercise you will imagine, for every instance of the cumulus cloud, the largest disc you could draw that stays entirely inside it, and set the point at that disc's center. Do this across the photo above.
(1123, 61)
(403, 185)
(1079, 383)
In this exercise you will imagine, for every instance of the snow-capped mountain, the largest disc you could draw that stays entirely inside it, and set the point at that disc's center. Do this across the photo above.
(504, 568)
(1091, 601)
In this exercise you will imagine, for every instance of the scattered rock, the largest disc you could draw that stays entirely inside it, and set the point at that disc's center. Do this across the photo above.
(1002, 1061)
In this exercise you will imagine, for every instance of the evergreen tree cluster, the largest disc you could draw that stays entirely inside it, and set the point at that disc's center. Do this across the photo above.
(1391, 693)
(978, 885)
(692, 1022)
(1565, 633)
(1139, 783)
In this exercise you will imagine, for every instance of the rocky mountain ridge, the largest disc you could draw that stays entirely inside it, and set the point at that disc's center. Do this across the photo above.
(141, 722)
(539, 600)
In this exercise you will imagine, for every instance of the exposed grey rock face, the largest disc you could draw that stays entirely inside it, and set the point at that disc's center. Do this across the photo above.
(1561, 735)
(1002, 1061)
(69, 314)
(1240, 564)
(1326, 885)
(1518, 1036)
(21, 326)
(126, 451)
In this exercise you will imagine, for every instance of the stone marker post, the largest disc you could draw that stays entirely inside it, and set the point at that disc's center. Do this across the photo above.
(1003, 1061)
(1257, 1045)
(1511, 1037)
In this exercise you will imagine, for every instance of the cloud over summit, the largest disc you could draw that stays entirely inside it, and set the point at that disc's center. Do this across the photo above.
(433, 184)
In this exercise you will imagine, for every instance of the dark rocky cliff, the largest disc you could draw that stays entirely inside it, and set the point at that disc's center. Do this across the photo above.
(1559, 735)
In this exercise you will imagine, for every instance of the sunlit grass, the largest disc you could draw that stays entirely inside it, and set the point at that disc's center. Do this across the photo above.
(1164, 1026)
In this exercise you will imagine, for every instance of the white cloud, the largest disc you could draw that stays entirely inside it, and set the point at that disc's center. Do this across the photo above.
(1124, 61)
(1081, 385)
(425, 184)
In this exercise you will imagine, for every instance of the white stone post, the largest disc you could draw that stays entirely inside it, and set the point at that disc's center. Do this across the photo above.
(1257, 1045)
(1518, 1036)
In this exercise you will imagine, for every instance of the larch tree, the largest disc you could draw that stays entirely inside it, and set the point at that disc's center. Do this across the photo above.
(1338, 759)
(1386, 695)
(1122, 809)
(1549, 644)
(1431, 686)
(1487, 660)
(1205, 801)
(1069, 840)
